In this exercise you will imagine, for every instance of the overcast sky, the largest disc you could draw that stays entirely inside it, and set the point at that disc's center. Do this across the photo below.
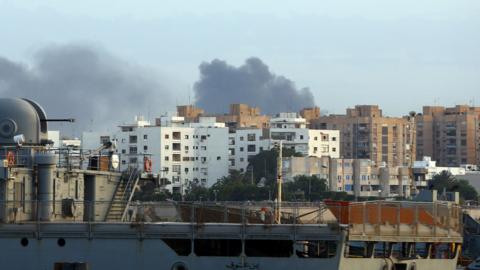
(398, 54)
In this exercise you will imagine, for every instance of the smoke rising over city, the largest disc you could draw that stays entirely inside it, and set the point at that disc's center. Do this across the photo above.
(252, 83)
(84, 83)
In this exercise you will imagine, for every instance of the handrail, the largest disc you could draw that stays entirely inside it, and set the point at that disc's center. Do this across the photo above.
(135, 174)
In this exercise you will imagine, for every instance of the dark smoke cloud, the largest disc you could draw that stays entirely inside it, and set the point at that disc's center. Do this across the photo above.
(221, 84)
(84, 83)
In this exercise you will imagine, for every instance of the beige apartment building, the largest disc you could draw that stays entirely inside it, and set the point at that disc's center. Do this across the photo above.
(357, 177)
(451, 136)
(366, 134)
(310, 113)
(239, 116)
(189, 112)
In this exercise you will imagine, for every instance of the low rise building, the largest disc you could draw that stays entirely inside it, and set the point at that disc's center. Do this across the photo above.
(427, 168)
(359, 177)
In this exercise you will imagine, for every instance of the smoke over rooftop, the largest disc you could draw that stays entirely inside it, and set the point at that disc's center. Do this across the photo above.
(84, 83)
(252, 83)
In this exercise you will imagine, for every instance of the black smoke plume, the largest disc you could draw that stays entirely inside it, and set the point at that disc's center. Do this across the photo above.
(85, 83)
(252, 83)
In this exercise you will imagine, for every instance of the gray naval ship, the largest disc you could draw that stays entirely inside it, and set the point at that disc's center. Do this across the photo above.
(62, 209)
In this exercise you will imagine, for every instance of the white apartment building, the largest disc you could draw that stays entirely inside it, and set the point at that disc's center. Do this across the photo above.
(244, 144)
(181, 153)
(291, 130)
(288, 128)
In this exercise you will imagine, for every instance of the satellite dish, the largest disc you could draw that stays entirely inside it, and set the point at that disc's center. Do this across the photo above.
(115, 161)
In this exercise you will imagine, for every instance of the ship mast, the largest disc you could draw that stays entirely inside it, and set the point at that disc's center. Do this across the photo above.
(279, 185)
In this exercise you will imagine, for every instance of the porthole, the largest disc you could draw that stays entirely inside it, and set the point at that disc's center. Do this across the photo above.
(179, 266)
(24, 242)
(61, 242)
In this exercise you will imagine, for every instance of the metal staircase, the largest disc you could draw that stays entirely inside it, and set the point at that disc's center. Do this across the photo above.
(123, 195)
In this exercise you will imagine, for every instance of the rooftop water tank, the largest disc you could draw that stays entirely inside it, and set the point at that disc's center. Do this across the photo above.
(22, 117)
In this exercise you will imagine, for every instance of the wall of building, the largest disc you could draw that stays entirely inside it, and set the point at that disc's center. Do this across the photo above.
(366, 134)
(450, 136)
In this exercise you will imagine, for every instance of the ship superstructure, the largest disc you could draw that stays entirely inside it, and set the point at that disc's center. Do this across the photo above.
(63, 209)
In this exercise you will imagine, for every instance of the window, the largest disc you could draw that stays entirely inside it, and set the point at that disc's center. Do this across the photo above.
(315, 138)
(166, 158)
(145, 137)
(316, 249)
(203, 159)
(251, 148)
(176, 135)
(268, 248)
(218, 247)
(334, 139)
(186, 170)
(241, 138)
(203, 137)
(251, 137)
(219, 158)
(133, 160)
(186, 137)
(167, 147)
(176, 157)
(242, 159)
(301, 137)
(204, 148)
(176, 168)
(167, 136)
(334, 149)
(176, 147)
(145, 148)
(133, 149)
(314, 150)
(104, 139)
(181, 246)
(124, 151)
(241, 149)
(132, 139)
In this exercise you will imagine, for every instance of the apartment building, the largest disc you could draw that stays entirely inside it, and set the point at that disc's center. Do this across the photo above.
(366, 134)
(310, 113)
(289, 128)
(451, 136)
(292, 130)
(181, 153)
(357, 177)
(244, 144)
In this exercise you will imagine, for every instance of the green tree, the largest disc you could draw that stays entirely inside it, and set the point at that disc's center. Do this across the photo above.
(237, 187)
(446, 181)
(308, 188)
(264, 165)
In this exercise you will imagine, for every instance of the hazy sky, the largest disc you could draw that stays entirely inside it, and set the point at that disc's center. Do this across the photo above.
(398, 54)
